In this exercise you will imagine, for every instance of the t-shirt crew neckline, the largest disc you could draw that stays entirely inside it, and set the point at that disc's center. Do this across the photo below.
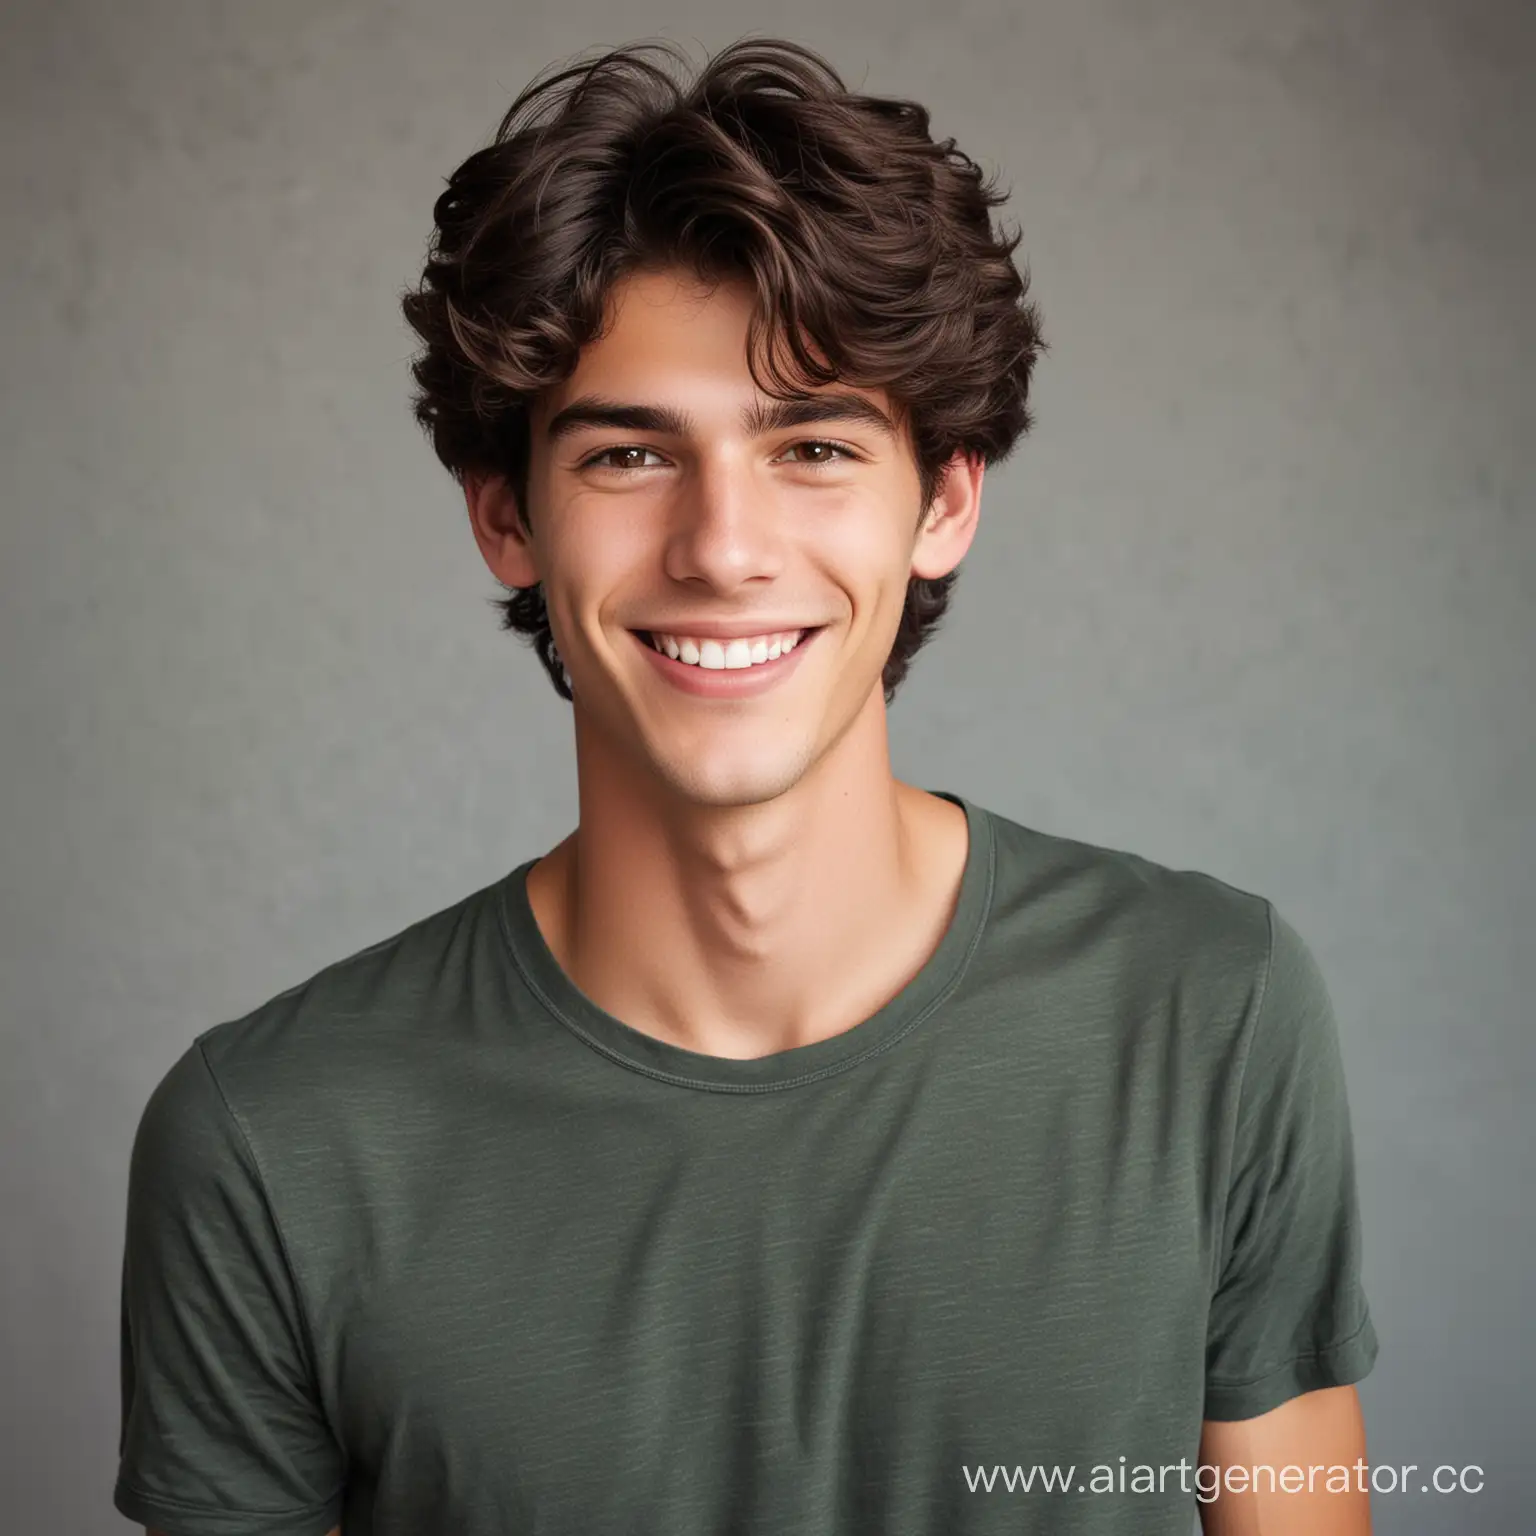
(640, 1052)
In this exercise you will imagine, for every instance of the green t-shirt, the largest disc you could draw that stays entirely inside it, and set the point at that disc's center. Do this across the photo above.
(430, 1245)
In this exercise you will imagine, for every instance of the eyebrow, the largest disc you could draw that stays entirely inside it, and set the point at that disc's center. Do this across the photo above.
(757, 419)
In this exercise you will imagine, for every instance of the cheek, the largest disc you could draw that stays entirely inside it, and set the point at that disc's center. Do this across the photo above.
(587, 557)
(869, 558)
(864, 529)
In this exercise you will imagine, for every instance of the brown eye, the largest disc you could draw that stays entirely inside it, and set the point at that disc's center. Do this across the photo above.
(827, 458)
(604, 457)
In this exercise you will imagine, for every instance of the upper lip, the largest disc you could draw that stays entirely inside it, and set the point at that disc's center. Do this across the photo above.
(703, 630)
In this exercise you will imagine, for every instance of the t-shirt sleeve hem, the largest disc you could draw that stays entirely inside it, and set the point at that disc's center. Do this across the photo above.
(1340, 1365)
(194, 1520)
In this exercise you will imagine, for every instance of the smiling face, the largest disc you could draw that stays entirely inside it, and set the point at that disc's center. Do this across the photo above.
(668, 494)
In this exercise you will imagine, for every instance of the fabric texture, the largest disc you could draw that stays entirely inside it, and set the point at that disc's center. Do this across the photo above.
(430, 1243)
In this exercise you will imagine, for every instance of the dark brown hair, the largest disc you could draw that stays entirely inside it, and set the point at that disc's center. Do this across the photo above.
(859, 234)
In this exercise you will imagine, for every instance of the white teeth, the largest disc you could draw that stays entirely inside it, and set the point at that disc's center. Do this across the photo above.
(729, 655)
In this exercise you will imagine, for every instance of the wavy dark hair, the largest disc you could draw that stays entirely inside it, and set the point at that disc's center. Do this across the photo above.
(860, 235)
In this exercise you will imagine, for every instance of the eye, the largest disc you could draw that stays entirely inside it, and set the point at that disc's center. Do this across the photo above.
(821, 442)
(595, 461)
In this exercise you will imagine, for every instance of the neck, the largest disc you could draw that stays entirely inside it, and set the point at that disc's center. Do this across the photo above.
(741, 931)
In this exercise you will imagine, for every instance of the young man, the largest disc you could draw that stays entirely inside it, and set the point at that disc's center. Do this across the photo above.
(790, 1148)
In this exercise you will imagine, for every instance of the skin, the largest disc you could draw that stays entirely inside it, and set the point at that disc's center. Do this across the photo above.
(1317, 1429)
(749, 876)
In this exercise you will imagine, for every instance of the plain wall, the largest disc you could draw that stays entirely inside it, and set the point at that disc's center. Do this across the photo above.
(1255, 597)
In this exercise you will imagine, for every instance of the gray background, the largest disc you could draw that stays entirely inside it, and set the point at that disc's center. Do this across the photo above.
(1255, 598)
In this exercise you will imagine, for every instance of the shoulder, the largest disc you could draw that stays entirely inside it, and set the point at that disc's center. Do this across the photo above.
(360, 1022)
(1129, 923)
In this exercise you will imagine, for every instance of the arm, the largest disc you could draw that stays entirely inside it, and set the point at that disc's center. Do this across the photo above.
(1289, 1331)
(222, 1426)
(1320, 1430)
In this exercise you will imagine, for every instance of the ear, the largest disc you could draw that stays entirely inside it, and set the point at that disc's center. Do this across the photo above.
(505, 544)
(949, 523)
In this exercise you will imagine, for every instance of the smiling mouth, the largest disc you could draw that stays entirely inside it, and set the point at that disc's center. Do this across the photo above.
(647, 638)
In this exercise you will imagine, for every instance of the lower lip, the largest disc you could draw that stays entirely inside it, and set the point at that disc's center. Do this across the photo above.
(727, 682)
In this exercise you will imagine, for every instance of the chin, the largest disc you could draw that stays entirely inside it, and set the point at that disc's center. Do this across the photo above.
(724, 786)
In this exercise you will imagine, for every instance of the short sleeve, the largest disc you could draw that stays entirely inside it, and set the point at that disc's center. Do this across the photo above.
(1288, 1314)
(221, 1431)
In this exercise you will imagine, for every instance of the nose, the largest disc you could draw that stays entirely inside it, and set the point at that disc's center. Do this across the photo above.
(725, 527)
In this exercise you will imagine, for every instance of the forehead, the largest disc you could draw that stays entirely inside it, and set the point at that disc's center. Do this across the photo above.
(673, 337)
